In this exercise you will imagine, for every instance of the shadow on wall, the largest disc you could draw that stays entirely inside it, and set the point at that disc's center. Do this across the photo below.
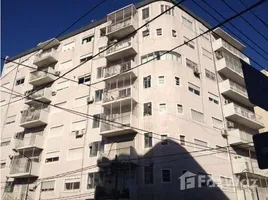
(126, 175)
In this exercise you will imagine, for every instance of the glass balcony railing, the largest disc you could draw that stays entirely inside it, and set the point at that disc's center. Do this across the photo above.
(119, 93)
(33, 113)
(118, 68)
(238, 88)
(233, 50)
(121, 118)
(119, 46)
(119, 25)
(248, 114)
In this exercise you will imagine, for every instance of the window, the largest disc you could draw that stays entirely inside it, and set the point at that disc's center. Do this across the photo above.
(63, 85)
(85, 59)
(10, 119)
(98, 95)
(96, 121)
(2, 165)
(145, 33)
(145, 13)
(56, 130)
(182, 140)
(161, 55)
(102, 32)
(190, 44)
(99, 72)
(52, 159)
(72, 184)
(5, 143)
(218, 124)
(166, 175)
(147, 109)
(94, 179)
(188, 23)
(84, 79)
(94, 147)
(191, 64)
(207, 53)
(149, 175)
(79, 125)
(226, 182)
(174, 33)
(179, 108)
(87, 39)
(148, 140)
(163, 107)
(9, 187)
(159, 31)
(161, 80)
(66, 65)
(198, 144)
(213, 98)
(194, 89)
(75, 153)
(164, 140)
(20, 81)
(210, 75)
(80, 101)
(47, 186)
(68, 47)
(177, 81)
(206, 35)
(147, 82)
(197, 116)
(165, 8)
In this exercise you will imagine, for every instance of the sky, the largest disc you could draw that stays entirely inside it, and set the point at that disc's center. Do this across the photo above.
(26, 23)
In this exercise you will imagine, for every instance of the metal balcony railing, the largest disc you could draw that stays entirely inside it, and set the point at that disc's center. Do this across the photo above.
(33, 113)
(28, 140)
(238, 88)
(117, 68)
(119, 25)
(233, 50)
(247, 113)
(121, 45)
(119, 93)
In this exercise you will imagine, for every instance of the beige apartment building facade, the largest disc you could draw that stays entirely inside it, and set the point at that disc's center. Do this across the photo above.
(131, 127)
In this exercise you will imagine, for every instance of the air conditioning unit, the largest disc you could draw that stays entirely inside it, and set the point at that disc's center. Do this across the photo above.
(53, 93)
(90, 100)
(78, 133)
(230, 124)
(224, 133)
(196, 71)
(57, 73)
(218, 55)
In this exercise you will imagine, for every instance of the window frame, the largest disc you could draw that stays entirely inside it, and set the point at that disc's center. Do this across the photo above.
(159, 79)
(151, 112)
(100, 94)
(148, 136)
(145, 15)
(87, 39)
(170, 175)
(145, 82)
(20, 81)
(157, 31)
(151, 173)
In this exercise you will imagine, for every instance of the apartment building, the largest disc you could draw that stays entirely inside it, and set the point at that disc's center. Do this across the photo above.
(124, 126)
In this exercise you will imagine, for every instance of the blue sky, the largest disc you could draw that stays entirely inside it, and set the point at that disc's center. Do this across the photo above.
(26, 23)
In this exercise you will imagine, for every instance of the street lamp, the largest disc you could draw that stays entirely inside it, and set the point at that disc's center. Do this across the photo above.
(30, 171)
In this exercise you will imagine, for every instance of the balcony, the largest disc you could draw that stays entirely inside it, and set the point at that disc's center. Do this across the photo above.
(121, 22)
(43, 95)
(234, 91)
(121, 124)
(242, 116)
(241, 138)
(34, 116)
(230, 70)
(244, 164)
(244, 194)
(125, 48)
(124, 155)
(47, 57)
(29, 141)
(119, 68)
(120, 97)
(20, 168)
(220, 44)
(42, 77)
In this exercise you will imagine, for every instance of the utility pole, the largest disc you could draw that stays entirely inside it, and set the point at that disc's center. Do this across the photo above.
(252, 169)
(116, 178)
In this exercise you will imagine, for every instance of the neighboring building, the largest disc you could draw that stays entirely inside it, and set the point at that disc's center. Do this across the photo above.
(184, 101)
(263, 113)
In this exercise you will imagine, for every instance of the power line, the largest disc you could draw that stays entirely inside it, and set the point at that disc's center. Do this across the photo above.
(176, 4)
(265, 24)
(252, 26)
(233, 27)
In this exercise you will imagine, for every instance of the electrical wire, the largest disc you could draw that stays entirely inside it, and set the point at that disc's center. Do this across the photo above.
(207, 4)
(251, 25)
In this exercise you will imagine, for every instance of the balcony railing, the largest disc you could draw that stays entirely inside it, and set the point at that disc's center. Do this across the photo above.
(22, 164)
(119, 93)
(43, 95)
(233, 50)
(248, 114)
(118, 68)
(121, 45)
(238, 88)
(125, 154)
(123, 118)
(38, 74)
(119, 25)
(46, 57)
(29, 140)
